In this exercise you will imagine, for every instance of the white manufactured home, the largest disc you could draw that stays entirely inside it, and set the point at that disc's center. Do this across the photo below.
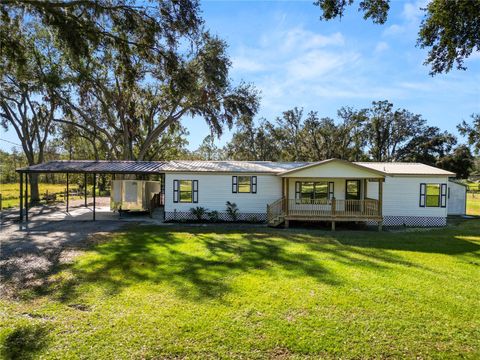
(391, 194)
(386, 194)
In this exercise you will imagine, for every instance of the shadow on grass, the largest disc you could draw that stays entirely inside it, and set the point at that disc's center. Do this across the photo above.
(198, 265)
(201, 263)
(25, 342)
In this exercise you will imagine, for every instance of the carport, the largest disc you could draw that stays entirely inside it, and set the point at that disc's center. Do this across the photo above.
(87, 168)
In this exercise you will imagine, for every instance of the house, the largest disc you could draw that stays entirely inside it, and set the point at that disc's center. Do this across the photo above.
(390, 194)
(385, 194)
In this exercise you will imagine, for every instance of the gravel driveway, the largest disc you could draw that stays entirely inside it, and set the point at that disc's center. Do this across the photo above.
(30, 252)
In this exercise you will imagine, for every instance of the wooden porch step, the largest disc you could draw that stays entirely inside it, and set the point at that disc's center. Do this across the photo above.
(276, 221)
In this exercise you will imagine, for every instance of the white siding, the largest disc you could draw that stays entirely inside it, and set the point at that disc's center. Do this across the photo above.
(214, 190)
(372, 189)
(401, 197)
(334, 170)
(457, 198)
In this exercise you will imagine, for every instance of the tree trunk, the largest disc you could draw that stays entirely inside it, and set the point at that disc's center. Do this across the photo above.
(34, 193)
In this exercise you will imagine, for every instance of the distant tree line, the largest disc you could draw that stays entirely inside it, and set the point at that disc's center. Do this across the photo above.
(378, 133)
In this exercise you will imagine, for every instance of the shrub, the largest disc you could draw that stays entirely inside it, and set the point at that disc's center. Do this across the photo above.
(232, 210)
(213, 216)
(198, 212)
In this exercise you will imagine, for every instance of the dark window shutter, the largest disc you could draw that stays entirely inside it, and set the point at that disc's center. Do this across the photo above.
(297, 190)
(175, 191)
(331, 190)
(254, 184)
(423, 189)
(443, 195)
(234, 184)
(195, 190)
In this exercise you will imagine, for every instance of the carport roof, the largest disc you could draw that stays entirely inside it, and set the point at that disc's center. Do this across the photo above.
(155, 167)
(94, 166)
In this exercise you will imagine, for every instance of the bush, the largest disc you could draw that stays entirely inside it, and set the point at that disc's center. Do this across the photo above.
(198, 212)
(213, 216)
(232, 210)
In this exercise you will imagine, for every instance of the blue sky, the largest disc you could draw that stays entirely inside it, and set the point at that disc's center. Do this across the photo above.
(295, 59)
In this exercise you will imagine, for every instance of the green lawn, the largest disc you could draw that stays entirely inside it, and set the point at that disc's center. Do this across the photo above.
(11, 192)
(211, 292)
(473, 204)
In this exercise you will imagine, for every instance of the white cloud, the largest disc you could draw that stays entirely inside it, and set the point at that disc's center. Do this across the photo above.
(245, 64)
(381, 47)
(412, 11)
(411, 17)
(318, 63)
(394, 29)
(298, 38)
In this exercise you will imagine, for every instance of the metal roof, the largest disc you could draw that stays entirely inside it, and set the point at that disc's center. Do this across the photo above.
(93, 166)
(230, 166)
(155, 167)
(404, 168)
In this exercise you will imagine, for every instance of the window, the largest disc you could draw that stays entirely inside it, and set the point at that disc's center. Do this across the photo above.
(433, 195)
(352, 191)
(244, 184)
(185, 191)
(311, 191)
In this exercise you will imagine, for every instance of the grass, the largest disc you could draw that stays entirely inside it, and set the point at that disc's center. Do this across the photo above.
(212, 292)
(10, 192)
(473, 186)
(473, 204)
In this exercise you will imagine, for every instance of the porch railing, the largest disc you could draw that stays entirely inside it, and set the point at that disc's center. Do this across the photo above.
(276, 209)
(307, 208)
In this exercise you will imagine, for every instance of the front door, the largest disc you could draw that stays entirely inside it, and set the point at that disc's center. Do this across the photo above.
(352, 192)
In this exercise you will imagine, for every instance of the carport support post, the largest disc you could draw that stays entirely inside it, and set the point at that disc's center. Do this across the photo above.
(94, 190)
(380, 204)
(68, 195)
(26, 197)
(21, 197)
(85, 187)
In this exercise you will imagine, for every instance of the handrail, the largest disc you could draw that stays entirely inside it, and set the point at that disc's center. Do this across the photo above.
(367, 208)
(276, 209)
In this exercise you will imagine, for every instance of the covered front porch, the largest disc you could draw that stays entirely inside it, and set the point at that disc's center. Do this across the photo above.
(316, 194)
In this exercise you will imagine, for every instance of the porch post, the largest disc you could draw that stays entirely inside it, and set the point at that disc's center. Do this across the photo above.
(68, 195)
(380, 204)
(287, 182)
(21, 197)
(380, 197)
(94, 189)
(85, 187)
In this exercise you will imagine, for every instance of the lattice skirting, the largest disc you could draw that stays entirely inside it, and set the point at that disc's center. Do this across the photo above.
(413, 221)
(222, 216)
